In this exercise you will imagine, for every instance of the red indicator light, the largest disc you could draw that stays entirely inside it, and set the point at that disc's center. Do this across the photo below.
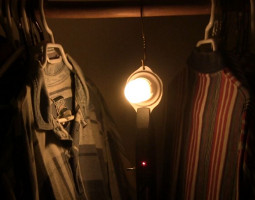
(144, 163)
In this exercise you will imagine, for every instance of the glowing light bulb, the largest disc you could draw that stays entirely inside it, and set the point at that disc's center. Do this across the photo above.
(138, 90)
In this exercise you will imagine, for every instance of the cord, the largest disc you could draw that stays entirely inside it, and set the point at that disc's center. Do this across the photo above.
(143, 37)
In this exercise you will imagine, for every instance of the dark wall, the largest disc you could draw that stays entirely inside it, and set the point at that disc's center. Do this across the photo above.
(109, 50)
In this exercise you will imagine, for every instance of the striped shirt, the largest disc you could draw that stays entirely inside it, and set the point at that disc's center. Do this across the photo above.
(205, 132)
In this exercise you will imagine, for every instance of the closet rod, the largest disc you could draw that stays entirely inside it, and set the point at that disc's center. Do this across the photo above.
(125, 11)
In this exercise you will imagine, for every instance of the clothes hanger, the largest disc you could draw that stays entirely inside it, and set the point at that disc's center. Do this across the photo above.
(35, 31)
(15, 12)
(208, 28)
(19, 16)
(58, 52)
(31, 33)
(44, 22)
(30, 23)
(25, 22)
(6, 21)
(34, 20)
(51, 47)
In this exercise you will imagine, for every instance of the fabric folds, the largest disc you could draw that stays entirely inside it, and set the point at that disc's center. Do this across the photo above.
(42, 158)
(206, 132)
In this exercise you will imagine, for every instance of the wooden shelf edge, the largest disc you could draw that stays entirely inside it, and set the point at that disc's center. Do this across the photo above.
(122, 12)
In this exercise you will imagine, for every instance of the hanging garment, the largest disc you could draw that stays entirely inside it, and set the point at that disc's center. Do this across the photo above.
(44, 160)
(12, 143)
(208, 122)
(103, 141)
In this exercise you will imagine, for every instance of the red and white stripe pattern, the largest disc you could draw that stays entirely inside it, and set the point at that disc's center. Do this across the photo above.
(228, 91)
(196, 130)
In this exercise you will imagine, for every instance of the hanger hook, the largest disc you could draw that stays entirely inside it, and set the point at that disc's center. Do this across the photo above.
(211, 21)
(48, 30)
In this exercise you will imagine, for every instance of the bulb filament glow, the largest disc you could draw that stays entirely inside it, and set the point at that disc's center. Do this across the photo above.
(138, 90)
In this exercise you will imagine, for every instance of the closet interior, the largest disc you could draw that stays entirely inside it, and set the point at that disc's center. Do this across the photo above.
(67, 130)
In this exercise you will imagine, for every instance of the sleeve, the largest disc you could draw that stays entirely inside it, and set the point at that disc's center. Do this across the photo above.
(17, 171)
(121, 181)
(247, 182)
